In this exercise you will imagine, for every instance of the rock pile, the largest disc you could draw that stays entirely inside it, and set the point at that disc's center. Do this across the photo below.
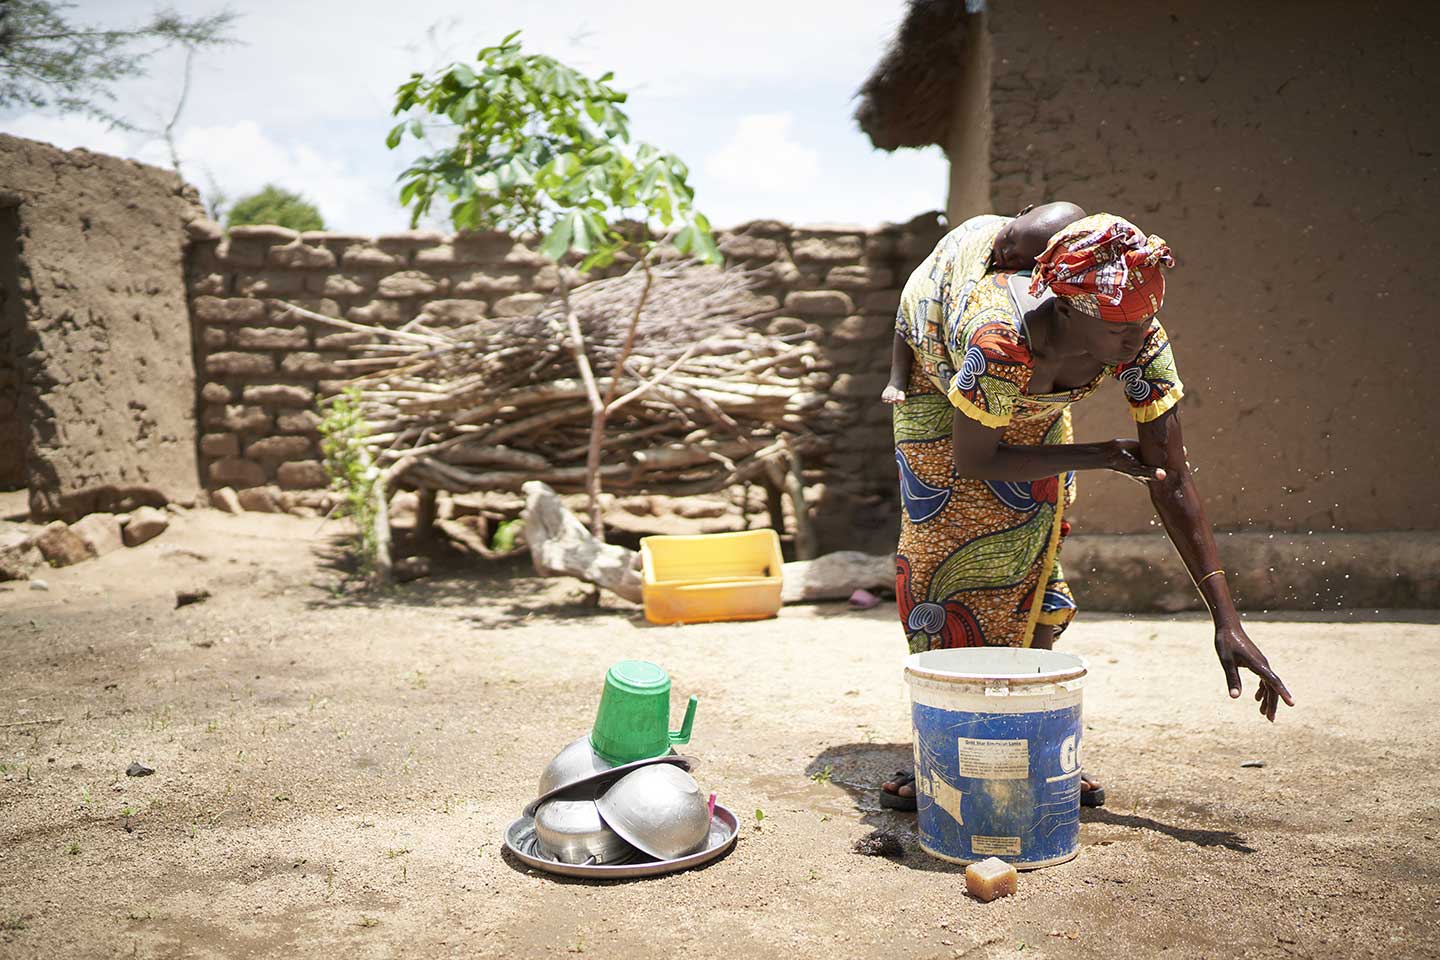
(28, 548)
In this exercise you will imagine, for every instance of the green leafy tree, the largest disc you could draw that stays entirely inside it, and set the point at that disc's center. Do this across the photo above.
(272, 205)
(48, 61)
(534, 147)
(523, 143)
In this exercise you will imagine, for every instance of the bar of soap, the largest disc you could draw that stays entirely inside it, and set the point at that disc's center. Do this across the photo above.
(990, 879)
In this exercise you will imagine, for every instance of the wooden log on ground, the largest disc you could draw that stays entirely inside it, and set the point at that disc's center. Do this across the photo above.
(835, 576)
(382, 573)
(562, 546)
(425, 513)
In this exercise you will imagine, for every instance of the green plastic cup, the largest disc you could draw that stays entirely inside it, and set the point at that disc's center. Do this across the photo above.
(633, 722)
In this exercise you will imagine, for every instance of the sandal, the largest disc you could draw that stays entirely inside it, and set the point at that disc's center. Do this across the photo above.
(1094, 797)
(894, 801)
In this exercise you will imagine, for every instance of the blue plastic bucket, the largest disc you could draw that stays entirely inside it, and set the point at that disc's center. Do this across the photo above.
(997, 753)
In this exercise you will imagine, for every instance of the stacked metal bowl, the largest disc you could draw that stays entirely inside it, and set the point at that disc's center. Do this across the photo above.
(590, 812)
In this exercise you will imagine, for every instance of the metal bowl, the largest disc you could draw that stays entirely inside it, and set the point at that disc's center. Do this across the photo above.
(590, 787)
(571, 831)
(571, 765)
(658, 809)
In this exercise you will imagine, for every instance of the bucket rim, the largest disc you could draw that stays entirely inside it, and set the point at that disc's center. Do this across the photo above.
(913, 669)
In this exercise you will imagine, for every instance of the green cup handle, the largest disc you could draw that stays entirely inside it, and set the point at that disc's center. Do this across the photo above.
(683, 734)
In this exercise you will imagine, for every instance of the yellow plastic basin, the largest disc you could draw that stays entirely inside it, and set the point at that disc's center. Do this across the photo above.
(713, 576)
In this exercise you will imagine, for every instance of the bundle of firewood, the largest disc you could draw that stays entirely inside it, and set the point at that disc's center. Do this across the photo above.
(700, 399)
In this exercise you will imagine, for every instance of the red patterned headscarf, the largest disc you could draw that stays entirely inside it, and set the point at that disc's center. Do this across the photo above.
(1107, 267)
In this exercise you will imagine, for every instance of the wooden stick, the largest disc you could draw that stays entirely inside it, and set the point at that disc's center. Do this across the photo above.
(629, 437)
(629, 337)
(362, 328)
(470, 453)
(648, 385)
(805, 544)
(31, 723)
(531, 425)
(685, 455)
(577, 347)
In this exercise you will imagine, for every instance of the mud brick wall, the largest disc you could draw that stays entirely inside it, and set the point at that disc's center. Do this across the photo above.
(262, 370)
(98, 398)
(839, 287)
(1300, 307)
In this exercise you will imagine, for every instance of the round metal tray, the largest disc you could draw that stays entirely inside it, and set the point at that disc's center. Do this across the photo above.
(595, 784)
(724, 828)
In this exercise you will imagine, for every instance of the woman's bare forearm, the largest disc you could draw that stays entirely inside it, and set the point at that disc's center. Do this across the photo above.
(1015, 462)
(901, 357)
(1177, 500)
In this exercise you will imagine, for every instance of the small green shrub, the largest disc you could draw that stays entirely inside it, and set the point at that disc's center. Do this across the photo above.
(351, 471)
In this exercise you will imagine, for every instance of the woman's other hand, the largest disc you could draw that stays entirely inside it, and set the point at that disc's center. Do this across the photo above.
(892, 395)
(1123, 456)
(1237, 650)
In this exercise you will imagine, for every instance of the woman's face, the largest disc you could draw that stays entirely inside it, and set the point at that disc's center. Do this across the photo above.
(1110, 343)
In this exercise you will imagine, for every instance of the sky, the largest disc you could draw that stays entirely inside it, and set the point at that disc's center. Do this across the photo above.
(755, 95)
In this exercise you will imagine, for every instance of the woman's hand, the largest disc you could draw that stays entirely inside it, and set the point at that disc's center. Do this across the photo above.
(1123, 456)
(1237, 650)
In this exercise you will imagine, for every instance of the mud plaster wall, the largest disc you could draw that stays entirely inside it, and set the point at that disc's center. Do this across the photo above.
(262, 371)
(106, 383)
(12, 317)
(1288, 152)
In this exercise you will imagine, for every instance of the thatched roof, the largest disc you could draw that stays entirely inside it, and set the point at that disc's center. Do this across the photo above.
(908, 98)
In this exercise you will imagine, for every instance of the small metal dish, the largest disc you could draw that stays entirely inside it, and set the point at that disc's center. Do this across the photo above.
(571, 831)
(521, 842)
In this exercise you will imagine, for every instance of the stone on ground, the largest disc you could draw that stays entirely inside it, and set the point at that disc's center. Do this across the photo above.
(62, 546)
(226, 501)
(145, 524)
(188, 595)
(101, 531)
(412, 568)
(19, 557)
(261, 500)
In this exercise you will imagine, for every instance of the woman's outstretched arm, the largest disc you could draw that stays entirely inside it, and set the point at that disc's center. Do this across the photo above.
(979, 455)
(1178, 503)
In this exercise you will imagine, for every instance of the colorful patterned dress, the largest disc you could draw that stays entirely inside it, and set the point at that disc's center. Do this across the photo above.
(973, 554)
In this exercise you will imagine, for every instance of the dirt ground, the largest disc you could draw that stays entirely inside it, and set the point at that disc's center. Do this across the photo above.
(333, 775)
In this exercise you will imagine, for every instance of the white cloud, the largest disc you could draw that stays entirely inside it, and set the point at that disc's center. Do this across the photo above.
(763, 156)
(69, 132)
(757, 96)
(241, 158)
